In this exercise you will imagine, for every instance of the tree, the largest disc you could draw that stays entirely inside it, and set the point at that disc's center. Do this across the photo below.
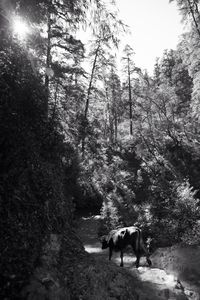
(129, 68)
(105, 35)
(113, 94)
(61, 19)
(172, 70)
(190, 10)
(157, 72)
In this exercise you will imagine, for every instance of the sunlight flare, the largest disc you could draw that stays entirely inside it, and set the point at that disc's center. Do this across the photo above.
(20, 28)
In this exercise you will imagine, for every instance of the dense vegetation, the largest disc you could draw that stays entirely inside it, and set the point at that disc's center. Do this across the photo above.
(72, 139)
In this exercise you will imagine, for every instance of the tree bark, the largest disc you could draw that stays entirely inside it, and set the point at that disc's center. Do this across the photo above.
(91, 80)
(114, 108)
(88, 99)
(130, 99)
(48, 61)
(55, 101)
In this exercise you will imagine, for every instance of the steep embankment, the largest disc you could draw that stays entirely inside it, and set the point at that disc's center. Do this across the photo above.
(165, 280)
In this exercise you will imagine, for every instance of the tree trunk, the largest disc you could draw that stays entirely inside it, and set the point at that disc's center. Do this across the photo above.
(111, 129)
(88, 98)
(48, 60)
(107, 112)
(91, 80)
(55, 101)
(116, 128)
(130, 99)
(114, 109)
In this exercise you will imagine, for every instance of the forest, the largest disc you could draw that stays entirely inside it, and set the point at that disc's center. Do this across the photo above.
(84, 131)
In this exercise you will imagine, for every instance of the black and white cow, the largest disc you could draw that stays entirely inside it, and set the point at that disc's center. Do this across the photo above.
(119, 239)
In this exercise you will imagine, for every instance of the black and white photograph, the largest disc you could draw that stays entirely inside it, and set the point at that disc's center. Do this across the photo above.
(99, 149)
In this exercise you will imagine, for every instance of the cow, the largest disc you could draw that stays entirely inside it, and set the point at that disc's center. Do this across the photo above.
(119, 239)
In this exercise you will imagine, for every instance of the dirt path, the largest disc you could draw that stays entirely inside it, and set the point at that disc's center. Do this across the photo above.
(166, 285)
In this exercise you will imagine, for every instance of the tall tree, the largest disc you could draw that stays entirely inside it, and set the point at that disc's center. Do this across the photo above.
(114, 104)
(129, 68)
(105, 36)
(172, 70)
(61, 19)
(190, 10)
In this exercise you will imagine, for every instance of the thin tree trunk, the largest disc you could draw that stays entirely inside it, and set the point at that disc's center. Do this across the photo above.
(114, 108)
(106, 130)
(116, 128)
(111, 128)
(91, 80)
(88, 98)
(48, 60)
(55, 101)
(130, 99)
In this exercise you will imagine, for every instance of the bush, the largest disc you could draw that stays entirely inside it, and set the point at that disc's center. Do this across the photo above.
(192, 235)
(180, 219)
(110, 218)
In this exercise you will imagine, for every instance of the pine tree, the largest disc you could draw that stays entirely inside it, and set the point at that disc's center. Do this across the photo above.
(129, 68)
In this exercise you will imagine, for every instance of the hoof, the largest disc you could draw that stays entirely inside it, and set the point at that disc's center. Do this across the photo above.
(121, 265)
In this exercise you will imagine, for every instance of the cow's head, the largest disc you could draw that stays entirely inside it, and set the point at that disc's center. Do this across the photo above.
(104, 242)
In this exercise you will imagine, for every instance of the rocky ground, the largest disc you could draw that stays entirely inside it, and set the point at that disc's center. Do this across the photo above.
(175, 273)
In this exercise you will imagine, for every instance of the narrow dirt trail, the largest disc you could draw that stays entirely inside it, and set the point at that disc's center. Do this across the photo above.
(165, 285)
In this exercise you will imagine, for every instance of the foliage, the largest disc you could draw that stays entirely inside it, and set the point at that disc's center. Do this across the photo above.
(174, 214)
(35, 162)
(167, 156)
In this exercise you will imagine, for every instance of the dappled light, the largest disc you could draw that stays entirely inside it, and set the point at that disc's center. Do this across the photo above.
(157, 276)
(92, 249)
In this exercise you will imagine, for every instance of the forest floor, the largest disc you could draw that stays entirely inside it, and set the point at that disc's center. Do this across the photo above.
(175, 271)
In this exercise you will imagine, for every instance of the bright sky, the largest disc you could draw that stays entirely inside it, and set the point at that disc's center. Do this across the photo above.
(155, 26)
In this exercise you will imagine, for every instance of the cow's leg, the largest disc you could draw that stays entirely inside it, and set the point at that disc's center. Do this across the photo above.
(137, 254)
(121, 256)
(110, 253)
(137, 263)
(148, 260)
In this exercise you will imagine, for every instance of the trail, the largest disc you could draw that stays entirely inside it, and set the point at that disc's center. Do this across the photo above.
(166, 285)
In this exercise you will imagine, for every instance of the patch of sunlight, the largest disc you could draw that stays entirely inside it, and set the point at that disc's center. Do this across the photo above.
(128, 258)
(156, 276)
(92, 249)
(97, 217)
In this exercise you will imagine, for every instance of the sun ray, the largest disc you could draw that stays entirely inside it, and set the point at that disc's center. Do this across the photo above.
(20, 28)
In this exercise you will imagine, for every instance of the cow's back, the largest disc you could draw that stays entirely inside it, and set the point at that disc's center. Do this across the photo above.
(121, 238)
